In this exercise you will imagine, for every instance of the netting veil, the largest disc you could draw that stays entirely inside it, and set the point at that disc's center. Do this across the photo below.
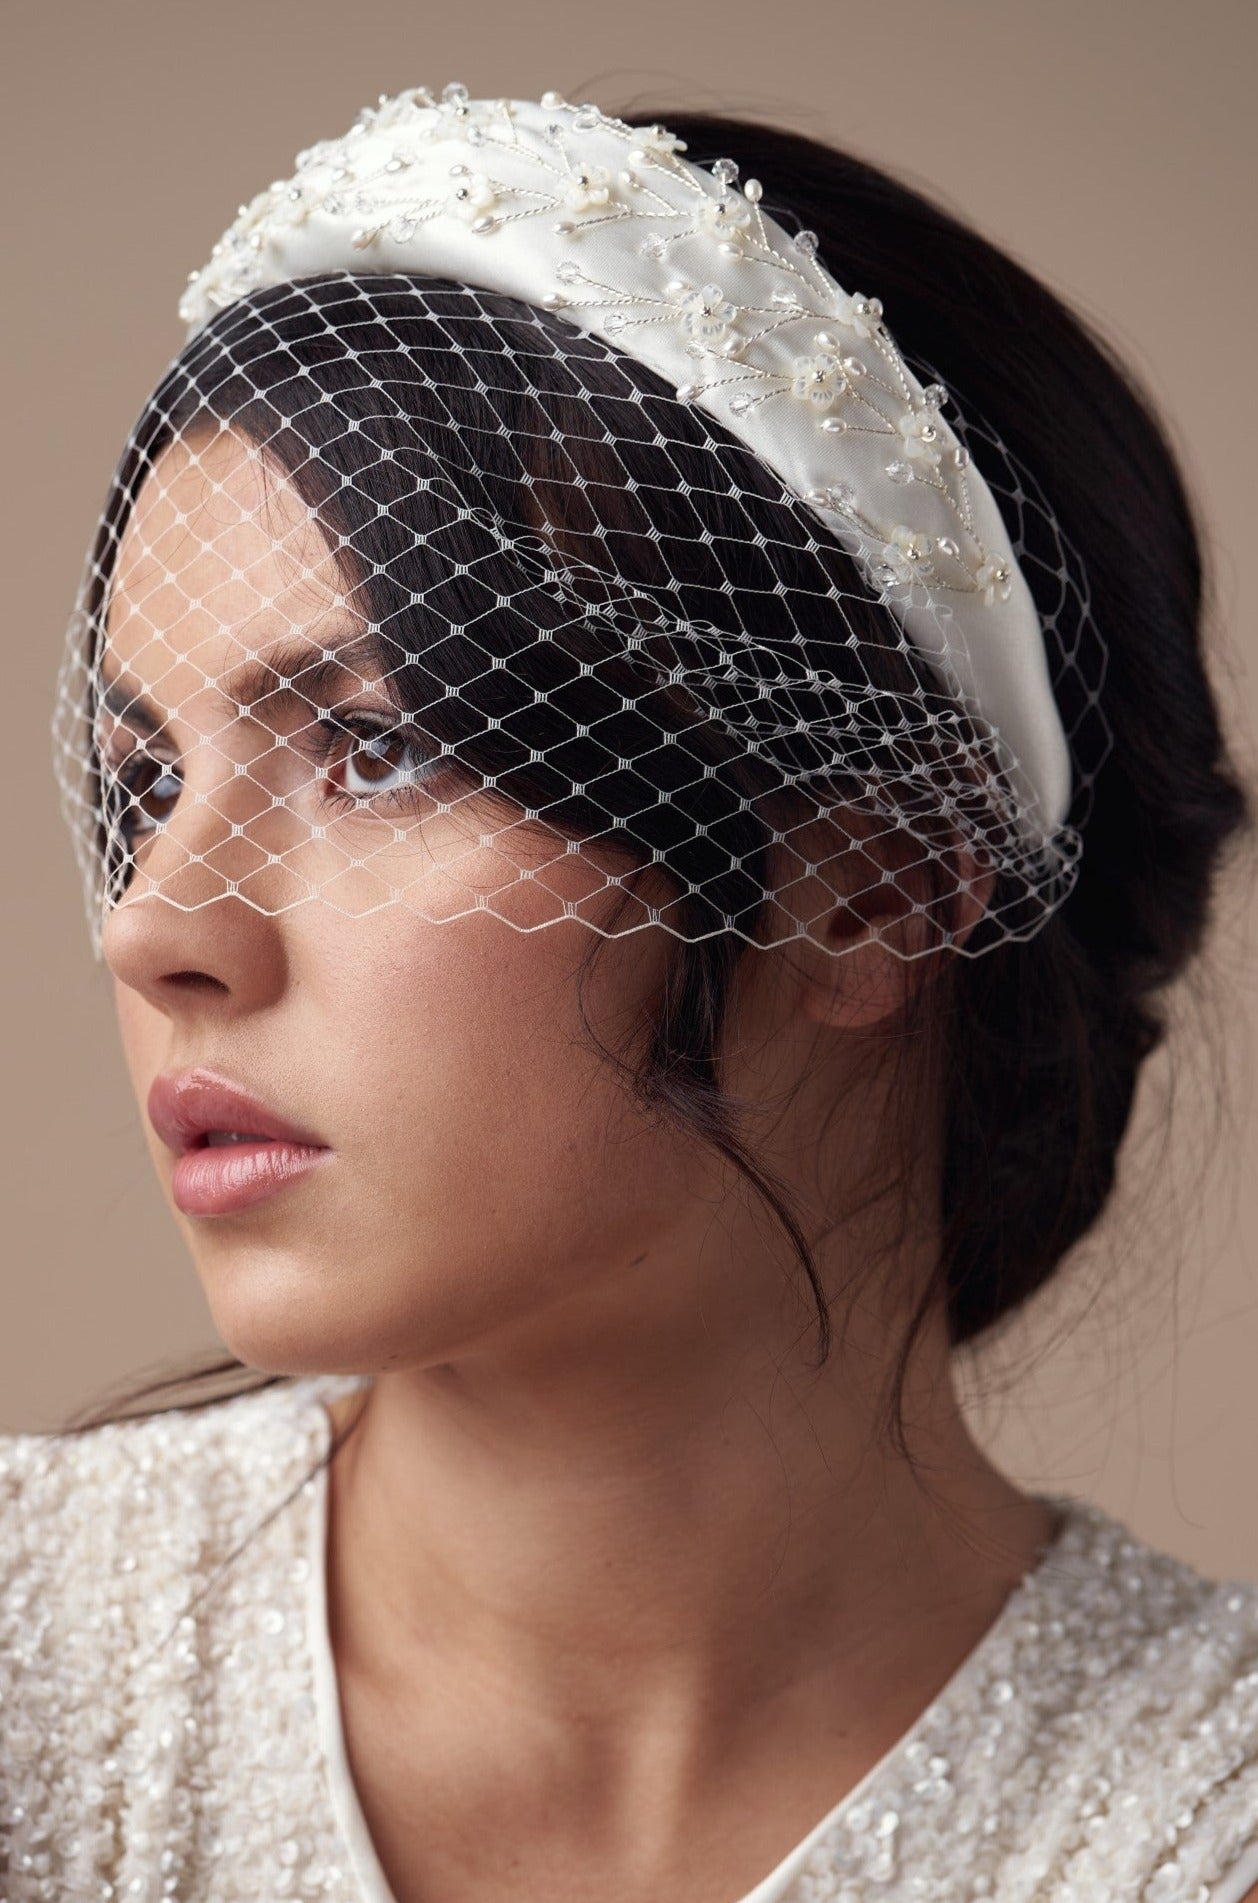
(529, 523)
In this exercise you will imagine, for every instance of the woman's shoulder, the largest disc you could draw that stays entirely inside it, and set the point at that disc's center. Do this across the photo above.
(1134, 1678)
(94, 1483)
(152, 1591)
(106, 1533)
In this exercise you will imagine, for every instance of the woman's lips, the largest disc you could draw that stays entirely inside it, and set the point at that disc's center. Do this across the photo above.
(217, 1181)
(217, 1178)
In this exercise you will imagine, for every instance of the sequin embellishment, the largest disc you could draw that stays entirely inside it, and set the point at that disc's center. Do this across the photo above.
(158, 1733)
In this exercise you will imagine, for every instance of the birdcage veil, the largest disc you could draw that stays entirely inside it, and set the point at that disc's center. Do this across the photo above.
(423, 581)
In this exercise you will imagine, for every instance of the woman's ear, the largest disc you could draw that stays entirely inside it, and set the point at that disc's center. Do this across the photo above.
(880, 913)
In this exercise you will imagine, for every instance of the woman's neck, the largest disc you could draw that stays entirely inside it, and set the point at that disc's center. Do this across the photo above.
(663, 1558)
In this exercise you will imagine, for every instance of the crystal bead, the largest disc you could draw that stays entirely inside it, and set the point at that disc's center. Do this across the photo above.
(805, 242)
(900, 471)
(724, 171)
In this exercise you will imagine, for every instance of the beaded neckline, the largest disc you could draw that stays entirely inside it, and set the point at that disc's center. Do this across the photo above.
(159, 1724)
(857, 1808)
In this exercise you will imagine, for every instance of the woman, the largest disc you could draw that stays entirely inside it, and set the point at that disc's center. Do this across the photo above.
(664, 891)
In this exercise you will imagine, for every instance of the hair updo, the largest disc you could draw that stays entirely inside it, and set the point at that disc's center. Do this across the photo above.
(1039, 1043)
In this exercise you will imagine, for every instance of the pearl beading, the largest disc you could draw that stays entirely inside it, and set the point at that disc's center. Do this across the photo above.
(158, 1730)
(827, 374)
(549, 201)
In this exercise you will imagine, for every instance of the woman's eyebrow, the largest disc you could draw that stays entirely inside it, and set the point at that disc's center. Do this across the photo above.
(288, 662)
(123, 698)
(291, 666)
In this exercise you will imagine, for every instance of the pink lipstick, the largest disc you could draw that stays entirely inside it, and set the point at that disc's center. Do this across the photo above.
(231, 1151)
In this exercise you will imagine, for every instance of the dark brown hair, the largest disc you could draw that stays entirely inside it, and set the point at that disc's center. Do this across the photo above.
(1036, 1046)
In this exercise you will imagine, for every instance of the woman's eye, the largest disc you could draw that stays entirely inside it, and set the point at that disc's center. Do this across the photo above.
(142, 792)
(376, 762)
(365, 762)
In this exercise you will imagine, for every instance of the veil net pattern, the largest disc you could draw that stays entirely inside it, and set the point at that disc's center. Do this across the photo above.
(407, 593)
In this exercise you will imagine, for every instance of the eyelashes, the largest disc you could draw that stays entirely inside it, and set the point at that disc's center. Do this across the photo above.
(364, 759)
(369, 744)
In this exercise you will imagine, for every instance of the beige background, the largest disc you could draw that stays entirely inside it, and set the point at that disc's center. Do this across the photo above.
(1109, 146)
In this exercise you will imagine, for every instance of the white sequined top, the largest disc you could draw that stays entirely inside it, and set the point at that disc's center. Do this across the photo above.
(170, 1728)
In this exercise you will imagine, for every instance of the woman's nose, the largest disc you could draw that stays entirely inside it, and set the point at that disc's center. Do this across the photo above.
(204, 898)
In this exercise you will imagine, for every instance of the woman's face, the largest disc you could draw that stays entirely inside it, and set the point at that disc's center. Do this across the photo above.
(484, 1172)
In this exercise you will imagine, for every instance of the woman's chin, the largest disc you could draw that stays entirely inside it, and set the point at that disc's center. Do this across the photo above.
(282, 1318)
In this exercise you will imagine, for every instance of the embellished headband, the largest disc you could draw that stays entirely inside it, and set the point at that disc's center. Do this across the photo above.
(608, 225)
